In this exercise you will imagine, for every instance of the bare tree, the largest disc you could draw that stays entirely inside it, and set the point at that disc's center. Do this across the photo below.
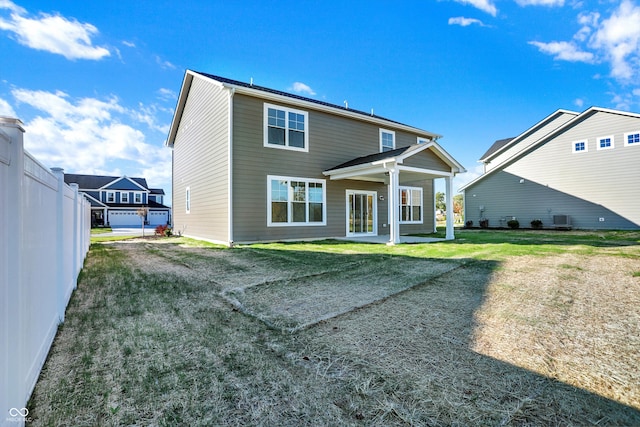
(142, 213)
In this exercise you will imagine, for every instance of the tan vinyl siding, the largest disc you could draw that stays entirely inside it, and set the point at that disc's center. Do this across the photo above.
(200, 162)
(587, 186)
(332, 141)
(427, 160)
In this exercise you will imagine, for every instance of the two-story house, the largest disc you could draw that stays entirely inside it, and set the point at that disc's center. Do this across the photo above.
(571, 169)
(116, 201)
(256, 164)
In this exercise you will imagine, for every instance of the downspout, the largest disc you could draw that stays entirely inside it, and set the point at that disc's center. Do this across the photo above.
(230, 170)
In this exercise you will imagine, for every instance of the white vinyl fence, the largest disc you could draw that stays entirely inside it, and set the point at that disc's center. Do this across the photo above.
(44, 238)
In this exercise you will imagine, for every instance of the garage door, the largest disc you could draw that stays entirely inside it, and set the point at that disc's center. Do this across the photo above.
(124, 219)
(158, 218)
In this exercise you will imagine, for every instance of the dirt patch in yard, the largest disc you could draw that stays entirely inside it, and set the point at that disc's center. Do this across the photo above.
(286, 304)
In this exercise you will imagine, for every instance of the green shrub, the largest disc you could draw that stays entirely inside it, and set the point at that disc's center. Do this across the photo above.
(513, 223)
(536, 223)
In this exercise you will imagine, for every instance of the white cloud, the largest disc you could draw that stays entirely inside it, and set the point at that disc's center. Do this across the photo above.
(578, 102)
(52, 33)
(167, 94)
(465, 22)
(614, 40)
(164, 64)
(6, 109)
(618, 37)
(566, 51)
(128, 44)
(550, 3)
(484, 5)
(462, 179)
(6, 4)
(302, 88)
(90, 135)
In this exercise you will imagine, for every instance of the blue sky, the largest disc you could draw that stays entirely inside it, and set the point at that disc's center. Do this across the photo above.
(96, 82)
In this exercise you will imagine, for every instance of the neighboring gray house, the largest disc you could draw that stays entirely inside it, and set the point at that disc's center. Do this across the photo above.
(115, 200)
(571, 169)
(255, 164)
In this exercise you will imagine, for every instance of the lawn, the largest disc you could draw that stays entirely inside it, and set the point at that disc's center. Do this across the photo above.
(495, 328)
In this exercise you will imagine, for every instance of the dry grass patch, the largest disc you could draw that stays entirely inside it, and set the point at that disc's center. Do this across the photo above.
(518, 336)
(572, 318)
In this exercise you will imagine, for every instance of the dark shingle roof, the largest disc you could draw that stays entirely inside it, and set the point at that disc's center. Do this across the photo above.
(290, 95)
(377, 156)
(157, 191)
(90, 182)
(496, 146)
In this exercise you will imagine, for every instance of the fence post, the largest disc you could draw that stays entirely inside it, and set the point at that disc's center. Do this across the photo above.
(76, 234)
(60, 291)
(13, 364)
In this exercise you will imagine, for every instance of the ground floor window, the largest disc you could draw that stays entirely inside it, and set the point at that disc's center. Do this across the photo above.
(295, 201)
(410, 205)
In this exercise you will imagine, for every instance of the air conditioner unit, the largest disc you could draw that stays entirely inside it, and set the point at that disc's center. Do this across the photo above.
(562, 221)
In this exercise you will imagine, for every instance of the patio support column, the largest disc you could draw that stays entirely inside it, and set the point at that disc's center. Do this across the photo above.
(394, 221)
(449, 203)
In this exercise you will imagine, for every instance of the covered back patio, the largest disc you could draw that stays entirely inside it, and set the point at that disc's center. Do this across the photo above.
(415, 163)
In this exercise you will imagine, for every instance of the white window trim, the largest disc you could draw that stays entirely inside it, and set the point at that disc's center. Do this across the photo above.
(135, 195)
(400, 188)
(122, 195)
(287, 110)
(393, 133)
(187, 197)
(604, 148)
(626, 139)
(112, 194)
(270, 223)
(586, 146)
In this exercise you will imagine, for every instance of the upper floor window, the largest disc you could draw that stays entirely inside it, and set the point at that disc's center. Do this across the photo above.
(632, 138)
(579, 146)
(410, 205)
(137, 197)
(295, 201)
(124, 197)
(605, 143)
(111, 197)
(286, 128)
(188, 199)
(387, 140)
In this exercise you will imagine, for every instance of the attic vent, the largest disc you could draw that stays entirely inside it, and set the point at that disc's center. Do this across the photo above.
(562, 221)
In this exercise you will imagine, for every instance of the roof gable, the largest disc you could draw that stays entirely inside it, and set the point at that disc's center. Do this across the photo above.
(585, 115)
(399, 155)
(126, 183)
(502, 145)
(96, 182)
